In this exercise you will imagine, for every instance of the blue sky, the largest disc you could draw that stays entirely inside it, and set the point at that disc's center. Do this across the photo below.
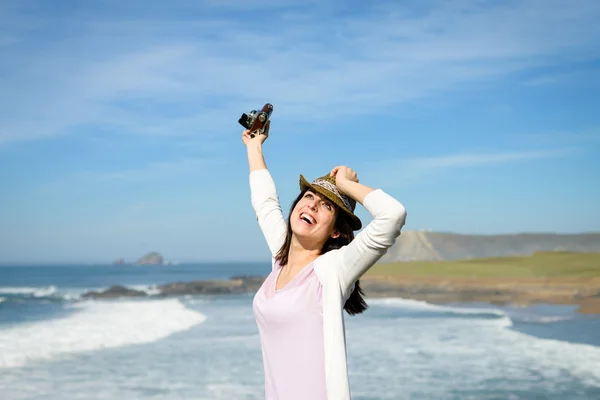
(119, 129)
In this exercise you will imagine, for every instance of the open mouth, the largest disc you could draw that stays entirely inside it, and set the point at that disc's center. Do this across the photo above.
(307, 218)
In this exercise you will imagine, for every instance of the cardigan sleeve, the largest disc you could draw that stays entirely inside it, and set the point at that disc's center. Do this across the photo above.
(264, 199)
(369, 245)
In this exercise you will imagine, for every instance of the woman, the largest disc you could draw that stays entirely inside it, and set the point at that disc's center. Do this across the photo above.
(316, 266)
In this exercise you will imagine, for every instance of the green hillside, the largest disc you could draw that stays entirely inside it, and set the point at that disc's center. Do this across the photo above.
(539, 265)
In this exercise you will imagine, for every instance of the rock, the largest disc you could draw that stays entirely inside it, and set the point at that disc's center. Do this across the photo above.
(153, 258)
(251, 283)
(114, 292)
(235, 285)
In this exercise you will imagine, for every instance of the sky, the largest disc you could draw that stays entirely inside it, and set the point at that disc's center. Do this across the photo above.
(119, 132)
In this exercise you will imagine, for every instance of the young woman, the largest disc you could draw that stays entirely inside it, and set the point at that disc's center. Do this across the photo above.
(316, 266)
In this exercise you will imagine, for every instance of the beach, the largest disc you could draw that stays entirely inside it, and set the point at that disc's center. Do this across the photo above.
(583, 293)
(568, 278)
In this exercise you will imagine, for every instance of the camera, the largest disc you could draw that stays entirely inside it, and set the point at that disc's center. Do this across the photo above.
(256, 120)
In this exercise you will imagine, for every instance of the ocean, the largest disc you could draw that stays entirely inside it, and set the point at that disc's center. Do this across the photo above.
(54, 345)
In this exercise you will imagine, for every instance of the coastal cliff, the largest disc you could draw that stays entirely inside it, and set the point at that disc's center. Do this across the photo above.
(439, 246)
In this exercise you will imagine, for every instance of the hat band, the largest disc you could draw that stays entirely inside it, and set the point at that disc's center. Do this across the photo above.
(333, 189)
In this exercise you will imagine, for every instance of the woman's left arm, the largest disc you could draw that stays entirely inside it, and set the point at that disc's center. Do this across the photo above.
(389, 216)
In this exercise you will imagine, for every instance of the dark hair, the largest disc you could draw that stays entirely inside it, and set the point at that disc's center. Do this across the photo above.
(355, 303)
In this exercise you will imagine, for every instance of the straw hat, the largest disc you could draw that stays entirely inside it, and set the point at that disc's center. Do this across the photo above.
(326, 186)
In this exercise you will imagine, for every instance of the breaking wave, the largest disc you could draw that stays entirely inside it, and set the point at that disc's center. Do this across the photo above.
(94, 326)
(428, 310)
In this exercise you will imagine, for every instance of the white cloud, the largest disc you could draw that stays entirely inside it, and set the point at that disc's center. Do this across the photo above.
(590, 76)
(404, 171)
(158, 73)
(478, 159)
(587, 138)
(156, 170)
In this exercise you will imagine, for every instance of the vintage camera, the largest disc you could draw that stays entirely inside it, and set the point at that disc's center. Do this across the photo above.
(255, 121)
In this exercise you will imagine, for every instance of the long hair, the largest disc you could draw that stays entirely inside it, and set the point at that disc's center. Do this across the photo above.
(355, 304)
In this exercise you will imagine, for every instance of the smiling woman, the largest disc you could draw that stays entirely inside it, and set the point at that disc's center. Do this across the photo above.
(316, 266)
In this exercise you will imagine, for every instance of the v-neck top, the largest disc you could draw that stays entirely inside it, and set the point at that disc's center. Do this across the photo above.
(290, 323)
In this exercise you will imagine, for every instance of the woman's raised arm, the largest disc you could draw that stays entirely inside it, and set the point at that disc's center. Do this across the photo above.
(389, 216)
(263, 193)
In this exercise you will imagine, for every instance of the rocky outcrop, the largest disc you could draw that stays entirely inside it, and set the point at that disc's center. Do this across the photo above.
(235, 285)
(114, 292)
(153, 258)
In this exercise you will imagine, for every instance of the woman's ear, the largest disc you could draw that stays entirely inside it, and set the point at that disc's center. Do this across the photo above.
(335, 234)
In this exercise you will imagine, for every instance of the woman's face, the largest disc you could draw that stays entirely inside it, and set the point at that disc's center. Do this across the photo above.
(314, 218)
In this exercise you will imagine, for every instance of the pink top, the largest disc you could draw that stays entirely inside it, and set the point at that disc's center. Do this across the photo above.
(290, 324)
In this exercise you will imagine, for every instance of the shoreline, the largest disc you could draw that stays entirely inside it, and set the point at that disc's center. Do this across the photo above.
(584, 293)
(581, 292)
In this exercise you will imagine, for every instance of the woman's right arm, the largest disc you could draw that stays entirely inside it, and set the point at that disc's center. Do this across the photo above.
(256, 160)
(263, 193)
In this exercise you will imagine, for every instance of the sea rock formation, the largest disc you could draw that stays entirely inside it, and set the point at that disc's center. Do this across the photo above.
(153, 258)
(235, 285)
(114, 292)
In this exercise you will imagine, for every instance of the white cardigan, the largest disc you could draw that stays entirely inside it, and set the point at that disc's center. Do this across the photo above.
(337, 270)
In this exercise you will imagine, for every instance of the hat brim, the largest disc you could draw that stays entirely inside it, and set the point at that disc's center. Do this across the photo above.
(305, 185)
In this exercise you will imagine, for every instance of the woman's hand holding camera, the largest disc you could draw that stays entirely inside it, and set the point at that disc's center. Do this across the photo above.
(256, 137)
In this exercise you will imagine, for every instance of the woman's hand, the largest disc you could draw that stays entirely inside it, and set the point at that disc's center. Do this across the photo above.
(342, 174)
(256, 161)
(347, 183)
(258, 138)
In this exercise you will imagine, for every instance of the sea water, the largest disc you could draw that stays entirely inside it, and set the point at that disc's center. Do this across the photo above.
(55, 345)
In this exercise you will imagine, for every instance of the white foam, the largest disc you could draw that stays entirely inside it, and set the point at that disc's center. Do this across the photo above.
(2, 299)
(36, 291)
(581, 360)
(393, 358)
(488, 353)
(150, 290)
(543, 319)
(43, 292)
(424, 306)
(96, 325)
(191, 301)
